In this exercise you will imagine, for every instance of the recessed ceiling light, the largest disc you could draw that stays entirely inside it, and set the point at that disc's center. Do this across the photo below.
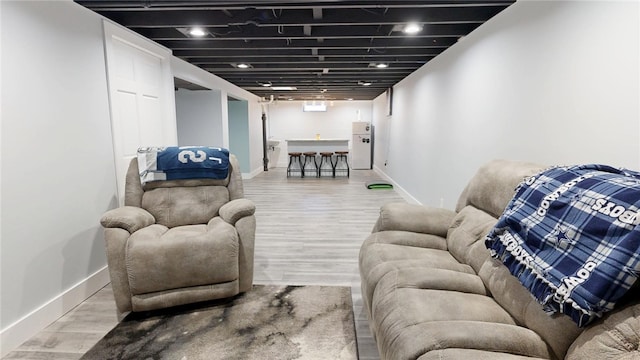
(266, 84)
(382, 65)
(243, 66)
(412, 28)
(196, 31)
(364, 83)
(283, 88)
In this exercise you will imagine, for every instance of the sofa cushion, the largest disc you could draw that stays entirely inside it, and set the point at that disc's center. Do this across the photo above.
(466, 243)
(422, 277)
(386, 251)
(182, 296)
(408, 238)
(378, 253)
(158, 258)
(559, 331)
(185, 183)
(457, 354)
(134, 190)
(185, 205)
(398, 302)
(493, 340)
(493, 185)
(615, 336)
(412, 318)
(465, 240)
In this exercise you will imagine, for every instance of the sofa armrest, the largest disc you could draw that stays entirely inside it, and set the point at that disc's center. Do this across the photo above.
(414, 218)
(234, 210)
(129, 218)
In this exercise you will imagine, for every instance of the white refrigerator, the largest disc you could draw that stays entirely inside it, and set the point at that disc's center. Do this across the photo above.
(361, 145)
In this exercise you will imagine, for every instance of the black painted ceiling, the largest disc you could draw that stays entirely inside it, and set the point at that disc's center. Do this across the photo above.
(325, 49)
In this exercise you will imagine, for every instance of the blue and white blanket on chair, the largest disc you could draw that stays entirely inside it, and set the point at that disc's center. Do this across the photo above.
(185, 162)
(571, 235)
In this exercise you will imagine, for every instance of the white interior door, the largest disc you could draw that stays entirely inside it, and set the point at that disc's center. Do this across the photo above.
(141, 96)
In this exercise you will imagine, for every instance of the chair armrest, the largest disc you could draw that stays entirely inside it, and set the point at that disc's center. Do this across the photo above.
(129, 218)
(414, 218)
(234, 210)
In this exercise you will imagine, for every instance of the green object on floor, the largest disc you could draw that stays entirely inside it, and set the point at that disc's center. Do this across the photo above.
(378, 185)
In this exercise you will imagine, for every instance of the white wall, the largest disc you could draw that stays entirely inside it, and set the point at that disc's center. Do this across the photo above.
(183, 70)
(531, 84)
(544, 81)
(199, 117)
(286, 120)
(58, 174)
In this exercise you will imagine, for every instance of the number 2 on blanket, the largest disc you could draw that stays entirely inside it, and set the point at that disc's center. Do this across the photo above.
(197, 157)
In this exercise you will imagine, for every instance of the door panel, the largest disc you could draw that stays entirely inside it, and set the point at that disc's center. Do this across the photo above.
(128, 131)
(150, 111)
(141, 94)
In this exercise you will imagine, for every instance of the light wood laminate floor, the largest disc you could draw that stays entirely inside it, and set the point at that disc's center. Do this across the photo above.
(309, 232)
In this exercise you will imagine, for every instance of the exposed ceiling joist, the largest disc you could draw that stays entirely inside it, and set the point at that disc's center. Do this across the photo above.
(326, 49)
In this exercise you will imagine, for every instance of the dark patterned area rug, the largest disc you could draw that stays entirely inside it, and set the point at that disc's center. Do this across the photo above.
(268, 322)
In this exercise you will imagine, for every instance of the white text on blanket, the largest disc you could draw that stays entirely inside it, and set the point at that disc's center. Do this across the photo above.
(616, 211)
(185, 156)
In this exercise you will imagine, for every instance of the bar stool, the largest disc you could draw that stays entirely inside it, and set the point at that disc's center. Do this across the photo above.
(326, 167)
(306, 166)
(341, 165)
(292, 169)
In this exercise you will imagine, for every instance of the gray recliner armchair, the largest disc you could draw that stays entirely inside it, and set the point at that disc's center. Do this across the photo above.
(180, 241)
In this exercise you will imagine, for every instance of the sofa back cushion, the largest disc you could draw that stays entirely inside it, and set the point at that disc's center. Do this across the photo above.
(465, 239)
(183, 202)
(177, 206)
(479, 206)
(615, 336)
(494, 184)
(134, 190)
(481, 203)
(465, 242)
(559, 331)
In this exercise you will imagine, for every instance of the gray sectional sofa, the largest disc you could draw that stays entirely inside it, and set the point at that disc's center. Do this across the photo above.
(432, 290)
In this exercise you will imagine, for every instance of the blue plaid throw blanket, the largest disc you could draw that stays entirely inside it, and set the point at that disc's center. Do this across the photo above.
(571, 235)
(185, 162)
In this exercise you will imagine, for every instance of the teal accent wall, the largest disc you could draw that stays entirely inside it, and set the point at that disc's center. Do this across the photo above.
(239, 132)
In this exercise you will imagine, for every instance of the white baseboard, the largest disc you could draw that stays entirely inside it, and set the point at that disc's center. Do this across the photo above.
(405, 195)
(22, 330)
(252, 174)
